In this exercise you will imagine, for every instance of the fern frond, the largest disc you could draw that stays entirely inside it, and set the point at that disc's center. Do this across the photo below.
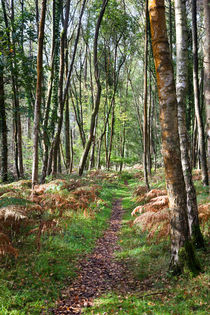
(6, 246)
(13, 212)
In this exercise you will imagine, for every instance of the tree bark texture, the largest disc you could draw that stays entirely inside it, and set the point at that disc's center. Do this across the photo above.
(38, 95)
(182, 252)
(181, 92)
(201, 137)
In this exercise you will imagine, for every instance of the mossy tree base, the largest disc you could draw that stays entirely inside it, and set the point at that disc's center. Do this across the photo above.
(197, 237)
(188, 261)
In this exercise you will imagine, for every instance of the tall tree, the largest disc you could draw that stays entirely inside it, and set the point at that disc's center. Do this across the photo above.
(16, 104)
(38, 94)
(3, 125)
(98, 92)
(63, 93)
(145, 134)
(181, 92)
(182, 252)
(206, 60)
(200, 125)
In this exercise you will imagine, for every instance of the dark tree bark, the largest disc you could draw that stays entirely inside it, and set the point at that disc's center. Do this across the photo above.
(16, 106)
(206, 63)
(35, 168)
(3, 127)
(182, 252)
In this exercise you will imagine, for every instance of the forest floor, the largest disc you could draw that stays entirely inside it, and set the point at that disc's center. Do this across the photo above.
(77, 250)
(100, 272)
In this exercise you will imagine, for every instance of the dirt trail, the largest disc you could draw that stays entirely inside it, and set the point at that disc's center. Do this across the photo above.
(99, 272)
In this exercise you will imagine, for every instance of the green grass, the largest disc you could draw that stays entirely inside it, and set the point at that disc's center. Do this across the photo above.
(33, 282)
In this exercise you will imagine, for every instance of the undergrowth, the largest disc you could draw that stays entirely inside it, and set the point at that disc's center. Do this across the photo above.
(148, 260)
(32, 282)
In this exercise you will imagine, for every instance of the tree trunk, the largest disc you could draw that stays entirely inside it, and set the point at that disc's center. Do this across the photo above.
(53, 63)
(38, 95)
(98, 94)
(72, 151)
(206, 53)
(111, 137)
(63, 94)
(122, 148)
(181, 92)
(3, 127)
(145, 134)
(60, 88)
(67, 136)
(67, 125)
(182, 252)
(16, 102)
(201, 137)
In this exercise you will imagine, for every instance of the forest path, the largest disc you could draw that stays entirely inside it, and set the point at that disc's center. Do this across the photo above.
(100, 272)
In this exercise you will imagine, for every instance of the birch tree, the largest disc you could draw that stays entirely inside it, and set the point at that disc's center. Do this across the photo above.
(181, 92)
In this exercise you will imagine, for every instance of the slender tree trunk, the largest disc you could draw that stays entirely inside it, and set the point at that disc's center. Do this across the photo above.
(111, 137)
(170, 28)
(122, 148)
(3, 127)
(92, 154)
(17, 105)
(67, 136)
(145, 134)
(67, 125)
(206, 50)
(63, 94)
(98, 94)
(201, 137)
(56, 12)
(149, 159)
(35, 168)
(182, 252)
(72, 151)
(99, 153)
(181, 92)
(60, 88)
(14, 86)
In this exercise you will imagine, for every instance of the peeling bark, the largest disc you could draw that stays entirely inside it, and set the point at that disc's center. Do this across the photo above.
(181, 92)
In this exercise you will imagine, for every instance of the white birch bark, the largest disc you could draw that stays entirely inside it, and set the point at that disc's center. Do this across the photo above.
(181, 92)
